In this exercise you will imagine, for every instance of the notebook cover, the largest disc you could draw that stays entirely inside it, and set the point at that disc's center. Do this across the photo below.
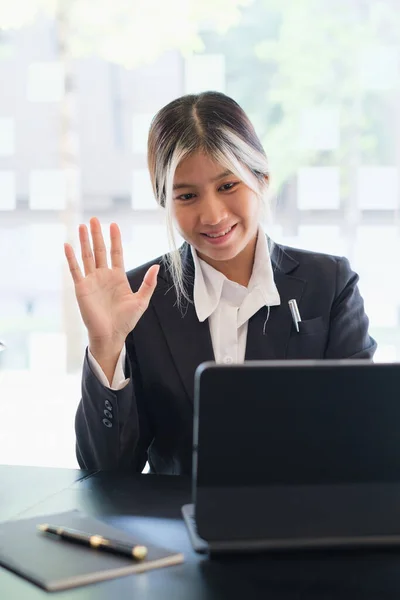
(54, 564)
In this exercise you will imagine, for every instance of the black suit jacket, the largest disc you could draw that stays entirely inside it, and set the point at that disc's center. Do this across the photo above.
(152, 417)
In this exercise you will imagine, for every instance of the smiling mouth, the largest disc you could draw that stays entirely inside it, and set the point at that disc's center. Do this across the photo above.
(221, 234)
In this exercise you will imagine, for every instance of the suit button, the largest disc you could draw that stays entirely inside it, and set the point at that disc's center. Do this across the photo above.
(107, 404)
(107, 423)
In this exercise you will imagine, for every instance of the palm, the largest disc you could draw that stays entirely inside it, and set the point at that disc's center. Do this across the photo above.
(107, 303)
(109, 308)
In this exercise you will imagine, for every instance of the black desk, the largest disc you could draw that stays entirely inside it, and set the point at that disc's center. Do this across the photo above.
(154, 503)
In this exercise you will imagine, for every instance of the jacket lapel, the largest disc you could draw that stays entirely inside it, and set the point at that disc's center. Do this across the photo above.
(272, 345)
(188, 340)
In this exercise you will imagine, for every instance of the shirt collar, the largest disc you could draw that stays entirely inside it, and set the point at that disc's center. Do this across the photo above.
(209, 283)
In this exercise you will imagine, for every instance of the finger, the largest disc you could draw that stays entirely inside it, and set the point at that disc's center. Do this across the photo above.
(99, 247)
(73, 264)
(86, 250)
(148, 286)
(117, 256)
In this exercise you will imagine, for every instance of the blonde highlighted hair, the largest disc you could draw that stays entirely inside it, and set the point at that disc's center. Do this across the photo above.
(216, 125)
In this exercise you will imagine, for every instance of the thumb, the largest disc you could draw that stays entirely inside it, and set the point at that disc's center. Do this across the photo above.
(148, 286)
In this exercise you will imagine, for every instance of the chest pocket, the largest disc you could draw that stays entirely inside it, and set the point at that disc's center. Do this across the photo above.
(310, 341)
(312, 327)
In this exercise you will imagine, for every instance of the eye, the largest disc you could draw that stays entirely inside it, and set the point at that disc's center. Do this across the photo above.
(228, 186)
(185, 197)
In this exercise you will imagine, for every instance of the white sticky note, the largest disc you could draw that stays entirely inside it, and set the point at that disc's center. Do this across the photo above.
(377, 188)
(318, 188)
(319, 129)
(142, 192)
(8, 195)
(47, 189)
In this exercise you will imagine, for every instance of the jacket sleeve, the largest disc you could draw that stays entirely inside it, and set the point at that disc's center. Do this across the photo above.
(348, 333)
(112, 428)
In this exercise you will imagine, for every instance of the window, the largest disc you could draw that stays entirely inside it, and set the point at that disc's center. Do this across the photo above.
(140, 131)
(318, 188)
(142, 193)
(45, 82)
(321, 88)
(379, 67)
(319, 129)
(205, 72)
(7, 136)
(7, 190)
(47, 189)
(378, 188)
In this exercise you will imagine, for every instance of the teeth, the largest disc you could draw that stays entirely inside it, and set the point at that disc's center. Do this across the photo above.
(218, 234)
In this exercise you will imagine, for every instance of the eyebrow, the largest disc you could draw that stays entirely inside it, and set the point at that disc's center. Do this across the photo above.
(179, 186)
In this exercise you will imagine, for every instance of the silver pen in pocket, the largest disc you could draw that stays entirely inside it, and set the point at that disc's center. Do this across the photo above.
(294, 309)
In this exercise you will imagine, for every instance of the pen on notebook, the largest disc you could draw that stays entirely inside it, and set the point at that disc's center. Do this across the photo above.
(294, 309)
(94, 541)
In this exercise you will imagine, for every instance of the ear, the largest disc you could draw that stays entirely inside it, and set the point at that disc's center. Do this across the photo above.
(264, 183)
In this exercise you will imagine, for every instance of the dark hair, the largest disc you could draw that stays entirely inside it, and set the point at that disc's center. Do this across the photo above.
(208, 121)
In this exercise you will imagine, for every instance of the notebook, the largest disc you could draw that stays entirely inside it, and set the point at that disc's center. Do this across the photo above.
(55, 564)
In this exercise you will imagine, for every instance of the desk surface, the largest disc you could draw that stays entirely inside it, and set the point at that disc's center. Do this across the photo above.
(153, 504)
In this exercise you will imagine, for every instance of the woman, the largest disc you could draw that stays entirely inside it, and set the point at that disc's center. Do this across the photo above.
(223, 295)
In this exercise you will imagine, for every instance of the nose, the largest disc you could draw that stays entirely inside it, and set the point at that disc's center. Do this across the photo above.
(213, 210)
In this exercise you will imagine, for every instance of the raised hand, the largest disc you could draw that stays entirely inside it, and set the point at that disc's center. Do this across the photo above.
(109, 308)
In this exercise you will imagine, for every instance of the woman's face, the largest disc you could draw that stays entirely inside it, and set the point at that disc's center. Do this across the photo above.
(214, 210)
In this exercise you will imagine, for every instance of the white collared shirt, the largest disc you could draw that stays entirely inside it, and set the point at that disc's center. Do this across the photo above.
(227, 305)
